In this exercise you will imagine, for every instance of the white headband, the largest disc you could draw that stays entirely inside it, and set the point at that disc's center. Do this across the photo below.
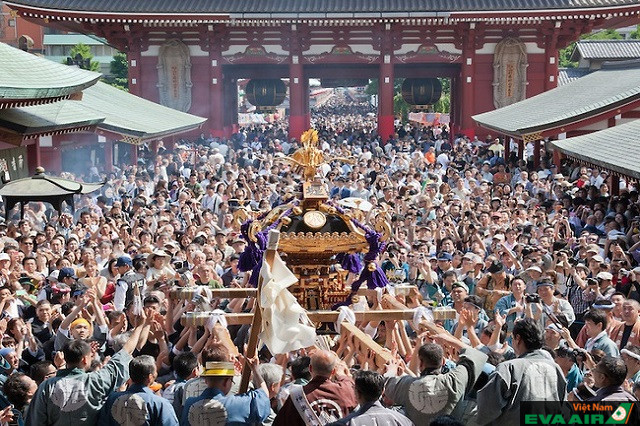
(631, 354)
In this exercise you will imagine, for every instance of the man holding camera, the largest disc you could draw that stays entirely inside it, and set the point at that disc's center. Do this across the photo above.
(548, 305)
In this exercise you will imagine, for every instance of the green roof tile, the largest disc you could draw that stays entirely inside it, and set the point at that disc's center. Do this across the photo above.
(615, 148)
(131, 115)
(50, 117)
(615, 84)
(27, 76)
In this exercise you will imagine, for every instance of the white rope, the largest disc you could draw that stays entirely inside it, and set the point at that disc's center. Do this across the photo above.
(345, 314)
(217, 317)
(422, 313)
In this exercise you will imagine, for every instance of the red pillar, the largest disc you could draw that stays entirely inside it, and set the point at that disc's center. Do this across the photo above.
(134, 153)
(551, 60)
(216, 94)
(536, 154)
(133, 57)
(230, 112)
(297, 97)
(108, 156)
(386, 117)
(468, 83)
(507, 149)
(33, 156)
(615, 185)
(520, 149)
(557, 159)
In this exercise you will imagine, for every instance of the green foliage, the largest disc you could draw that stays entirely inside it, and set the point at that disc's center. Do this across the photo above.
(85, 52)
(564, 55)
(635, 34)
(119, 70)
(603, 35)
(401, 108)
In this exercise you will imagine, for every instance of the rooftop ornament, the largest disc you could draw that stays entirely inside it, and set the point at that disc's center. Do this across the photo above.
(41, 187)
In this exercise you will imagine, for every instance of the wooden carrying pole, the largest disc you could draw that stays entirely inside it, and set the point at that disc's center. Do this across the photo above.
(256, 323)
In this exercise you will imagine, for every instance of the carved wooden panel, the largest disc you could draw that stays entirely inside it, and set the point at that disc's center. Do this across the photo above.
(509, 72)
(174, 75)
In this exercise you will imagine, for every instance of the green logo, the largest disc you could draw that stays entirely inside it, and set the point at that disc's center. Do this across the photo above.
(621, 415)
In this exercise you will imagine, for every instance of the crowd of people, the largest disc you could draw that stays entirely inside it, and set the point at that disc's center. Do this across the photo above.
(540, 266)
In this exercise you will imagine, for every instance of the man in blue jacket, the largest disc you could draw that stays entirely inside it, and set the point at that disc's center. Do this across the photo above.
(138, 405)
(215, 405)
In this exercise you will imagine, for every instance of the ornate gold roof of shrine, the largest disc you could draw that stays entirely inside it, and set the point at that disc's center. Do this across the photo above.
(208, 11)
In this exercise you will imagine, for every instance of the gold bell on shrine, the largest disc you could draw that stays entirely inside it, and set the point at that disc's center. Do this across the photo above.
(372, 266)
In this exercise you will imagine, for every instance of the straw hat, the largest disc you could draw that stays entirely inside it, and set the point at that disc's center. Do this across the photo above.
(218, 369)
(157, 253)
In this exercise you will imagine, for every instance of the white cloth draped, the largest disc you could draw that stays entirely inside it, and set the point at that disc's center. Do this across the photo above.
(285, 325)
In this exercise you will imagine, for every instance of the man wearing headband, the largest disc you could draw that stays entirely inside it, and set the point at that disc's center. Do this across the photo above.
(138, 404)
(215, 405)
(75, 397)
(75, 327)
(549, 304)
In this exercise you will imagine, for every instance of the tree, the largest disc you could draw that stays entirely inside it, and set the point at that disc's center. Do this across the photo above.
(119, 70)
(401, 108)
(85, 52)
(635, 34)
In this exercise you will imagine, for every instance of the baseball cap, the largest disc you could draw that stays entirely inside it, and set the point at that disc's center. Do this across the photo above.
(4, 256)
(444, 256)
(461, 285)
(124, 261)
(66, 273)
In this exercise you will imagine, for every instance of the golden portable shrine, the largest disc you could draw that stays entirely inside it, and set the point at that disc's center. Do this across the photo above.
(317, 234)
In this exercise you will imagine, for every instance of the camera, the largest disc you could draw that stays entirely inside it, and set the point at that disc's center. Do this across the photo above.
(532, 298)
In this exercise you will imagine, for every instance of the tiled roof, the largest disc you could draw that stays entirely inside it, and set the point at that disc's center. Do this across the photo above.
(312, 6)
(567, 75)
(606, 49)
(46, 118)
(615, 148)
(617, 83)
(27, 76)
(130, 115)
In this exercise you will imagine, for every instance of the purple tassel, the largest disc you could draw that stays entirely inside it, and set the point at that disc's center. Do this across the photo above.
(350, 262)
(376, 278)
(252, 255)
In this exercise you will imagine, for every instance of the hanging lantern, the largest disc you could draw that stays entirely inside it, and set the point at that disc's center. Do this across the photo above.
(421, 92)
(266, 94)
(343, 82)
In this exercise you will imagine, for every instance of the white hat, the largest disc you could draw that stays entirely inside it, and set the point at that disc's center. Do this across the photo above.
(534, 268)
(4, 256)
(604, 276)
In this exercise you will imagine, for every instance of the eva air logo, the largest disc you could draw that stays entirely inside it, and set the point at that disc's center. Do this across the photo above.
(621, 415)
(589, 413)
